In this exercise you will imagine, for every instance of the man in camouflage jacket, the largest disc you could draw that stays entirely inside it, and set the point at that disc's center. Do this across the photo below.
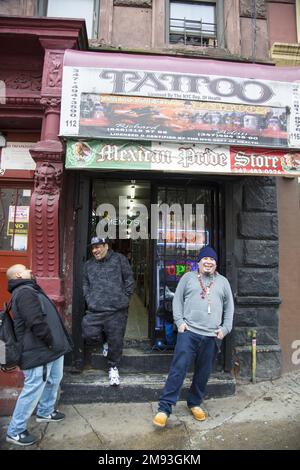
(107, 286)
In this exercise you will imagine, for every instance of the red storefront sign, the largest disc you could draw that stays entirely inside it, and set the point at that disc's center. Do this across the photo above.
(264, 161)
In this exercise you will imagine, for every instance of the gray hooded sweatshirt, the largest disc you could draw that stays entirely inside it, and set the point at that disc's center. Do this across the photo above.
(190, 308)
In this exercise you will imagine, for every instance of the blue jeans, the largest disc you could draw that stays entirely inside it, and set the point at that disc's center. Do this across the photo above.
(189, 347)
(37, 390)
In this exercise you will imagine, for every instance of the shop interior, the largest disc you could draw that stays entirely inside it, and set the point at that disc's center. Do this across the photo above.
(118, 222)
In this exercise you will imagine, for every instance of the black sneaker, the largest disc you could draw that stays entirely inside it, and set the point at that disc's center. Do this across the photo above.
(22, 439)
(55, 417)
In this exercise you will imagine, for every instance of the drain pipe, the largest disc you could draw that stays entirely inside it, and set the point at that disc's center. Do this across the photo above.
(253, 351)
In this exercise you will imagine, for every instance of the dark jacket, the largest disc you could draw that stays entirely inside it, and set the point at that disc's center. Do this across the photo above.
(38, 325)
(108, 283)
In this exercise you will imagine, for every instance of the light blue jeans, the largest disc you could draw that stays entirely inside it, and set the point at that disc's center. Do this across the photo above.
(36, 392)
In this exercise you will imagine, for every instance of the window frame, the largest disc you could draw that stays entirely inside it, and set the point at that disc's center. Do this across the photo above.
(42, 8)
(297, 7)
(219, 13)
(19, 185)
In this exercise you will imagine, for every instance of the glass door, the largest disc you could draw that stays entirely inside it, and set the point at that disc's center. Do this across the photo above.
(189, 219)
(14, 231)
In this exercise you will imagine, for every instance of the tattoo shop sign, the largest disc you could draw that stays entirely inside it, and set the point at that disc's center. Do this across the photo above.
(123, 155)
(84, 113)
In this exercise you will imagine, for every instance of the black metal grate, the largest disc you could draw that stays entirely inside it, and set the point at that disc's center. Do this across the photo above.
(190, 32)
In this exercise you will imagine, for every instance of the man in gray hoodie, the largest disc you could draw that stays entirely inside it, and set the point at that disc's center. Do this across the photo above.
(107, 286)
(203, 310)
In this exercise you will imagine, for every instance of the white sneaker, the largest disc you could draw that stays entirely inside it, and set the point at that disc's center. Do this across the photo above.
(114, 378)
(105, 349)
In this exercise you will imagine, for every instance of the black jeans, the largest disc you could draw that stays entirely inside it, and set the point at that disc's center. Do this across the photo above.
(190, 346)
(113, 325)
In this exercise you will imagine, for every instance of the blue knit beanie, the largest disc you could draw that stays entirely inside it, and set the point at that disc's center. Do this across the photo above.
(207, 252)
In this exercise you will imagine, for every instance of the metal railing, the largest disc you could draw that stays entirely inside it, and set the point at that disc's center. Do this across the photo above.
(190, 32)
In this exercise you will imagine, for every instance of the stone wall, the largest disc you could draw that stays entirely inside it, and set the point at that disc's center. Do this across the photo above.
(256, 276)
(18, 7)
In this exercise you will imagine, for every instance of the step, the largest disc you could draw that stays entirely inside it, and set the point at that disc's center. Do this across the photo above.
(91, 386)
(8, 398)
(137, 360)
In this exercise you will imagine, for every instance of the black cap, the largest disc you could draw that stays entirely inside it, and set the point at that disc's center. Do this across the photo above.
(98, 241)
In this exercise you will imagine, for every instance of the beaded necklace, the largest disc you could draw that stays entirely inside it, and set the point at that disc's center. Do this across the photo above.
(206, 289)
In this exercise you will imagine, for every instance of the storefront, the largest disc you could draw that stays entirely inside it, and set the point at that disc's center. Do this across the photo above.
(146, 131)
(31, 156)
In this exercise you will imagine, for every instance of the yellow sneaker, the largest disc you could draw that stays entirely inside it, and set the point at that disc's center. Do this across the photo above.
(198, 413)
(160, 419)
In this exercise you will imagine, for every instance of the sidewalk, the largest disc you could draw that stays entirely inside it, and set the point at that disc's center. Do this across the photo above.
(261, 416)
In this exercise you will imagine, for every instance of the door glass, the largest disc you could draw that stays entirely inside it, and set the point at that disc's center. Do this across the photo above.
(116, 206)
(14, 219)
(177, 248)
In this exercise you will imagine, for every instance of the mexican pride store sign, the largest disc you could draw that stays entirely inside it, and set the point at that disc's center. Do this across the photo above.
(169, 157)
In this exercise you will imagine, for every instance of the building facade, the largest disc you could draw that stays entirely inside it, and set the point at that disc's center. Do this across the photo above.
(51, 190)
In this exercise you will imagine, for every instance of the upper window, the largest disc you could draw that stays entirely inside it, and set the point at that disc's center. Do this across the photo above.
(84, 9)
(193, 23)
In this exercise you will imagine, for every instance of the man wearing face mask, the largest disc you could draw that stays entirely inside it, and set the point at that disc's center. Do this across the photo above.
(203, 310)
(44, 341)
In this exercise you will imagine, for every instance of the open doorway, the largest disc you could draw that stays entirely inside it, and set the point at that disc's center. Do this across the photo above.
(116, 217)
(158, 262)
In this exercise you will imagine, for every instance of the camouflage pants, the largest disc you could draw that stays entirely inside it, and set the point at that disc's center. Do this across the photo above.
(109, 325)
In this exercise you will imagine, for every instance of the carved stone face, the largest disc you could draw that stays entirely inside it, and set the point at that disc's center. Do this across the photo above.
(47, 179)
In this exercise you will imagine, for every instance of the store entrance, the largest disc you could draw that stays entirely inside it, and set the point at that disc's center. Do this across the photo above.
(159, 259)
(114, 214)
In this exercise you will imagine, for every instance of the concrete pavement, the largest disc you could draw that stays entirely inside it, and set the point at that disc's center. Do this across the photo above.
(265, 415)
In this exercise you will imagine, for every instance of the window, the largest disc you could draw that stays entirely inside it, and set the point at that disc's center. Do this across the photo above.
(85, 9)
(193, 23)
(14, 219)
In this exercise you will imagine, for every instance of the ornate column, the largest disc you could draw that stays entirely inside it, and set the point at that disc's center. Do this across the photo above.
(48, 155)
(44, 223)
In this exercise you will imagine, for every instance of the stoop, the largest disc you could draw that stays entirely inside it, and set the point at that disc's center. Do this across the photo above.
(143, 373)
(92, 386)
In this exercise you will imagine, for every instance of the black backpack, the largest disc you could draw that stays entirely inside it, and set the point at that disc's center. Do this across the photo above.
(10, 348)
